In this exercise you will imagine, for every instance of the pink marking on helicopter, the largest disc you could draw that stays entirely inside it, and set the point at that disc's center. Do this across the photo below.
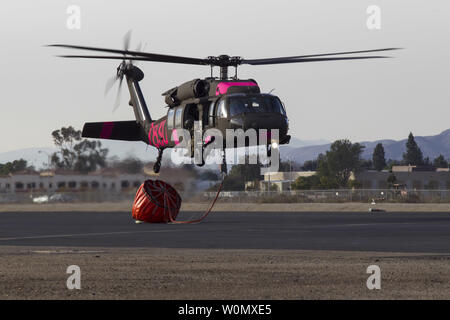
(223, 87)
(175, 137)
(107, 129)
(157, 135)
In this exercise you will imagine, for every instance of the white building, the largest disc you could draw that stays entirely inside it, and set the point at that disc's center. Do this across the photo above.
(55, 182)
(278, 181)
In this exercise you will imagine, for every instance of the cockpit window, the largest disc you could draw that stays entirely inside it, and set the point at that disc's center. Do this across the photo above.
(260, 103)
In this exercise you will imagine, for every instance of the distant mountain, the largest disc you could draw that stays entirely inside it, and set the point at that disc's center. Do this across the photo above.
(32, 155)
(297, 143)
(298, 150)
(431, 146)
(119, 149)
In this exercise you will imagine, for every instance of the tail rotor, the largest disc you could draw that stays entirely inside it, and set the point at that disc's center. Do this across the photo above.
(121, 69)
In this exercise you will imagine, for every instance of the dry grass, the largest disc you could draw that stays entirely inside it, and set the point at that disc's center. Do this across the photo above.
(40, 273)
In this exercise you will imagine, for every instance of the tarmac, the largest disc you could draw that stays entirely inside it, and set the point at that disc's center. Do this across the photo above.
(376, 231)
(231, 255)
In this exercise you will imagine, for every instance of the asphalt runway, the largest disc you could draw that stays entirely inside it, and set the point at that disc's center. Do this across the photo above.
(384, 232)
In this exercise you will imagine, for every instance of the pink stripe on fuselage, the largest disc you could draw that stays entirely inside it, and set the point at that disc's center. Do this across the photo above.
(223, 87)
(175, 137)
(107, 130)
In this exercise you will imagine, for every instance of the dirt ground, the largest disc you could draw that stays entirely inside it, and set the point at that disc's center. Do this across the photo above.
(40, 273)
(250, 207)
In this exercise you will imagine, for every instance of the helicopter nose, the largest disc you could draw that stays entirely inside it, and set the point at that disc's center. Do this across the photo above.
(259, 121)
(264, 121)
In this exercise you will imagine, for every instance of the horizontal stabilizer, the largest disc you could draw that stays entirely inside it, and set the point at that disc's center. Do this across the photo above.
(116, 130)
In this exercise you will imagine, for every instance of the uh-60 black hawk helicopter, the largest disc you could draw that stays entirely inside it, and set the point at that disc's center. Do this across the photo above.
(223, 102)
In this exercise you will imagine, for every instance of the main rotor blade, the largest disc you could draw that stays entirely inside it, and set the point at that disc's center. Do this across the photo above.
(148, 56)
(126, 40)
(128, 58)
(282, 60)
(275, 60)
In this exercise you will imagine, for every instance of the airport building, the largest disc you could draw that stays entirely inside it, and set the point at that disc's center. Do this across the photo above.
(407, 177)
(52, 182)
(107, 180)
(277, 181)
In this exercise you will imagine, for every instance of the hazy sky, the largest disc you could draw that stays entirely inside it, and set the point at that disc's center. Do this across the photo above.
(359, 100)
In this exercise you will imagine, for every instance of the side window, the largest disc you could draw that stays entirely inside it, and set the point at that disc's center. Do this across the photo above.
(221, 109)
(170, 115)
(211, 114)
(179, 117)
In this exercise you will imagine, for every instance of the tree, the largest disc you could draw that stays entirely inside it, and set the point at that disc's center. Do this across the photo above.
(14, 166)
(413, 155)
(89, 156)
(284, 166)
(310, 165)
(240, 174)
(391, 180)
(378, 157)
(129, 165)
(366, 164)
(208, 175)
(306, 183)
(440, 162)
(77, 154)
(65, 138)
(339, 162)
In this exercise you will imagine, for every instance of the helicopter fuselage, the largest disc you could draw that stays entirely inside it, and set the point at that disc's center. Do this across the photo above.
(236, 104)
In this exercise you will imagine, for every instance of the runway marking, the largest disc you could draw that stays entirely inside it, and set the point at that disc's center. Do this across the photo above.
(66, 251)
(83, 234)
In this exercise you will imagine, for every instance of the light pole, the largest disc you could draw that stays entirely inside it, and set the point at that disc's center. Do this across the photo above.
(48, 159)
(48, 167)
(290, 173)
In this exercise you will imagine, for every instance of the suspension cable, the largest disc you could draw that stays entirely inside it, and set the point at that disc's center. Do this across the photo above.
(172, 220)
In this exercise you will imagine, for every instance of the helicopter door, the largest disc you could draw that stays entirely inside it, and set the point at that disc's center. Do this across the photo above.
(190, 116)
(170, 118)
(179, 117)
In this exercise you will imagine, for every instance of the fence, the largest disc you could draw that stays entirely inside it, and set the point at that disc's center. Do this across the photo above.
(327, 196)
(298, 196)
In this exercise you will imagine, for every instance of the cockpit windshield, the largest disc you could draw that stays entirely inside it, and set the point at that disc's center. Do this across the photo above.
(256, 103)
